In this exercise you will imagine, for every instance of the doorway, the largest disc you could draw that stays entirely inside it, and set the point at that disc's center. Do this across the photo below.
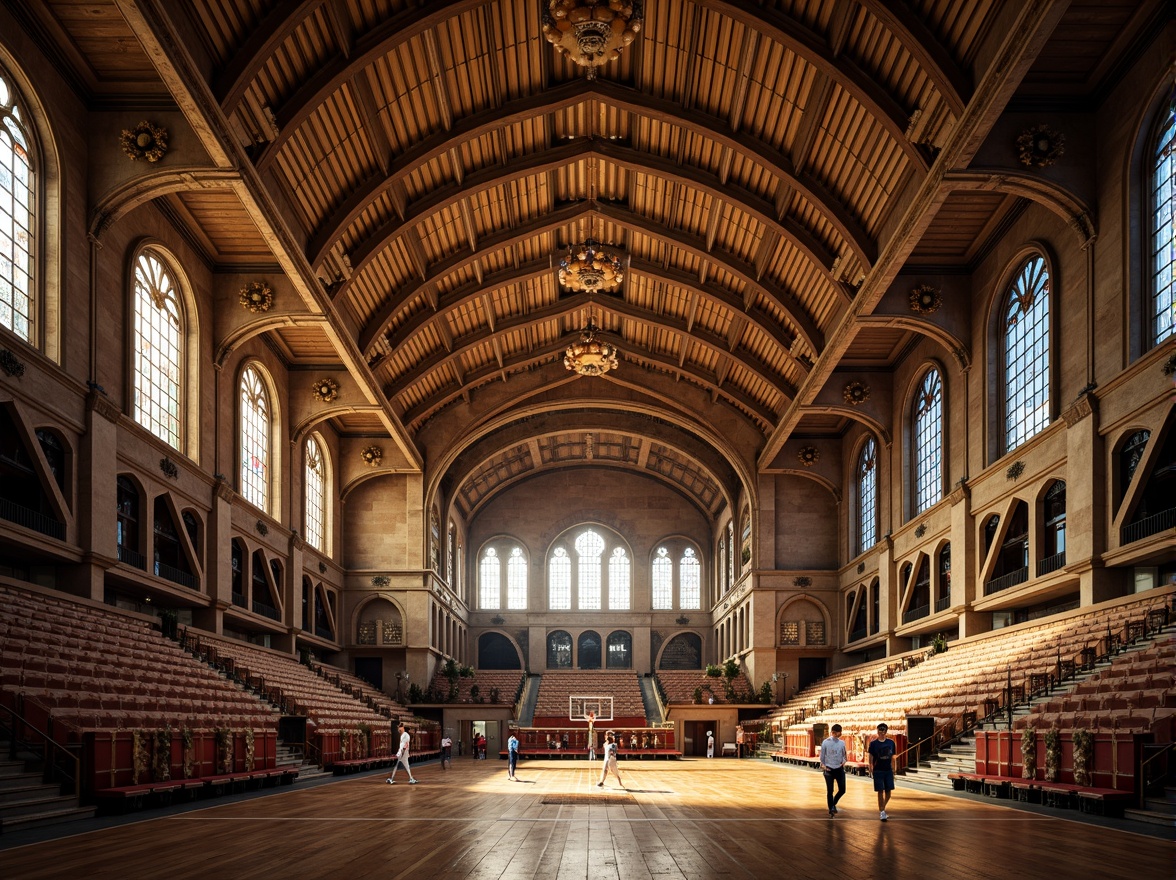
(694, 738)
(371, 669)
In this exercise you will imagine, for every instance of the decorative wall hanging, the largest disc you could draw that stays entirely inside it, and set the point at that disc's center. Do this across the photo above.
(808, 456)
(381, 580)
(325, 390)
(144, 141)
(1015, 470)
(256, 296)
(920, 530)
(856, 393)
(322, 568)
(498, 620)
(372, 455)
(1169, 365)
(683, 621)
(9, 364)
(803, 581)
(861, 567)
(1040, 146)
(262, 528)
(169, 468)
(926, 299)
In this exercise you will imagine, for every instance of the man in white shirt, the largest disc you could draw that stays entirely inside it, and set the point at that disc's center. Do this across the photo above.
(710, 744)
(833, 766)
(446, 752)
(402, 757)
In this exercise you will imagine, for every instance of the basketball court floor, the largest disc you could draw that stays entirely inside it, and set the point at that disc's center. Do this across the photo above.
(692, 818)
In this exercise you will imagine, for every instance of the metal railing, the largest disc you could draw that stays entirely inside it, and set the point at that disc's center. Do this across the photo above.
(240, 601)
(1145, 528)
(1162, 770)
(266, 610)
(916, 613)
(1051, 563)
(1012, 579)
(175, 575)
(942, 603)
(64, 767)
(31, 519)
(132, 557)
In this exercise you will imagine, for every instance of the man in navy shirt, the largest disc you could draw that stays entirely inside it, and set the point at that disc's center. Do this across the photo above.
(882, 768)
(833, 766)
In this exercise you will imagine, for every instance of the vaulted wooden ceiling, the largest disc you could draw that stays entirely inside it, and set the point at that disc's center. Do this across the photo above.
(766, 168)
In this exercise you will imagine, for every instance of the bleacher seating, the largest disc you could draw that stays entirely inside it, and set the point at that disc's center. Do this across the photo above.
(977, 674)
(365, 692)
(486, 680)
(551, 706)
(69, 667)
(678, 686)
(292, 684)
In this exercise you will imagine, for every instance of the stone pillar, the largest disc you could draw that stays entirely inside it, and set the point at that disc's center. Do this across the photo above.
(97, 496)
(1086, 520)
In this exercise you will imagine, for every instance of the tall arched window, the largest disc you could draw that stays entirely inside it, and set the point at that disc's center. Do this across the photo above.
(516, 580)
(1162, 219)
(618, 580)
(663, 580)
(17, 216)
(1025, 346)
(927, 454)
(589, 546)
(316, 495)
(867, 485)
(158, 366)
(559, 581)
(690, 573)
(255, 438)
(489, 579)
(730, 555)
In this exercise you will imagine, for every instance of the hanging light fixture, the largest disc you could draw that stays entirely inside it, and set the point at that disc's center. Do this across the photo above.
(591, 355)
(591, 32)
(591, 268)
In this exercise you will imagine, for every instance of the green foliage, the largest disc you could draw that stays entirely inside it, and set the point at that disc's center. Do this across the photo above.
(730, 669)
(415, 693)
(698, 695)
(466, 671)
(450, 670)
(713, 671)
(493, 695)
(765, 692)
(475, 693)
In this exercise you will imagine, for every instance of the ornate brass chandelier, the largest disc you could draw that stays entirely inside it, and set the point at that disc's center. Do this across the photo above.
(590, 355)
(590, 267)
(591, 32)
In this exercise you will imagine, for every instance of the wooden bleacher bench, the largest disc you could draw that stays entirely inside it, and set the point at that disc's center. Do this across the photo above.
(730, 748)
(132, 796)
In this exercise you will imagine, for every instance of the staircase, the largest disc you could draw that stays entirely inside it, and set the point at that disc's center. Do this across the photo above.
(1159, 810)
(26, 801)
(957, 757)
(653, 709)
(529, 699)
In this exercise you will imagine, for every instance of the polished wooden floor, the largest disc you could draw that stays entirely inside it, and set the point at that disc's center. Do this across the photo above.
(693, 818)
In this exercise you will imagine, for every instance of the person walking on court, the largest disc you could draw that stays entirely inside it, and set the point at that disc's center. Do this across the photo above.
(833, 766)
(402, 757)
(739, 740)
(710, 744)
(882, 768)
(446, 752)
(610, 760)
(512, 757)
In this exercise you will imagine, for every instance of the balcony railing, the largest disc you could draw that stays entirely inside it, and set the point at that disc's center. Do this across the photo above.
(1145, 528)
(1051, 563)
(266, 610)
(175, 575)
(324, 632)
(1012, 579)
(857, 634)
(915, 613)
(31, 519)
(942, 603)
(132, 557)
(240, 601)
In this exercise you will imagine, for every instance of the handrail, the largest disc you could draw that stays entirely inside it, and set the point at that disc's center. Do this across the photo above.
(17, 718)
(941, 734)
(1162, 751)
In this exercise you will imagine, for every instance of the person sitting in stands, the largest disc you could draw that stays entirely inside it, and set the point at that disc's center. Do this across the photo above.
(632, 740)
(645, 741)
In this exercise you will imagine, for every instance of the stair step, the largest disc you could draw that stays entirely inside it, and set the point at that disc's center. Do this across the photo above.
(1161, 806)
(36, 804)
(27, 792)
(46, 817)
(18, 780)
(1150, 817)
